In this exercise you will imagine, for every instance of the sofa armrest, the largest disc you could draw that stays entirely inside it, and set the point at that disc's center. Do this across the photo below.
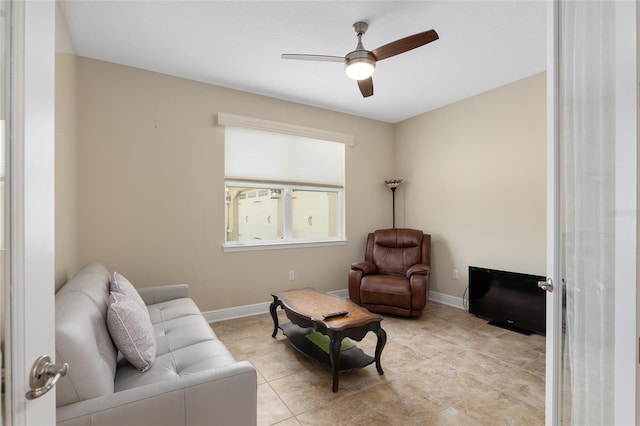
(418, 269)
(367, 268)
(152, 295)
(226, 395)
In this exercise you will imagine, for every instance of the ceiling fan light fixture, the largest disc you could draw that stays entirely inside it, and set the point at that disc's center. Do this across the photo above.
(359, 65)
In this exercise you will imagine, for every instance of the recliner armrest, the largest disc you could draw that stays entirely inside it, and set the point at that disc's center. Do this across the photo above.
(418, 269)
(164, 293)
(367, 268)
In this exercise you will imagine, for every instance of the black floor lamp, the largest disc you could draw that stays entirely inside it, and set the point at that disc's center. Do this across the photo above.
(393, 184)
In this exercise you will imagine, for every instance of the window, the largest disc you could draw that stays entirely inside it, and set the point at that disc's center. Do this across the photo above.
(258, 214)
(284, 185)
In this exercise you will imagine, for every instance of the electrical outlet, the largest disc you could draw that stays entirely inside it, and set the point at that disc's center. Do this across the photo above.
(454, 274)
(292, 275)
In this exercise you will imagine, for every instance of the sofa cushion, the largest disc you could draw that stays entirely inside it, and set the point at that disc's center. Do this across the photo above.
(176, 365)
(181, 332)
(131, 331)
(172, 309)
(177, 324)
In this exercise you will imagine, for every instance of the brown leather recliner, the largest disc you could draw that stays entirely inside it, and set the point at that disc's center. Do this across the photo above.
(394, 277)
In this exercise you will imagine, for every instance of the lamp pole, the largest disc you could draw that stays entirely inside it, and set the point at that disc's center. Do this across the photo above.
(393, 184)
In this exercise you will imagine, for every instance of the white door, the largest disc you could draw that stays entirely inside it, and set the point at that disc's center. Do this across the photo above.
(27, 43)
(592, 176)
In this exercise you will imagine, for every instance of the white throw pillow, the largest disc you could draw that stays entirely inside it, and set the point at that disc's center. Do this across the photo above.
(122, 285)
(131, 331)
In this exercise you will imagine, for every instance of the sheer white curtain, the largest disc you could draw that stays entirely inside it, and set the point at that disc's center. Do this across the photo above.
(587, 135)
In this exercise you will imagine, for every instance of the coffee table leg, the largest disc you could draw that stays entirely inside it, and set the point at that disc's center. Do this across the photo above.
(382, 340)
(334, 354)
(274, 315)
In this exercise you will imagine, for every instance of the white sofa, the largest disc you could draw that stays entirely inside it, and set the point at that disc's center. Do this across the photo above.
(193, 381)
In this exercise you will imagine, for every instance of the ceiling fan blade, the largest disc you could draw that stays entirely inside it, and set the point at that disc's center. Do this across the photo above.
(404, 44)
(366, 87)
(323, 58)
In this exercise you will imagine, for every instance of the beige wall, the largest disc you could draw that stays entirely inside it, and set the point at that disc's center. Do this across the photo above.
(66, 155)
(475, 176)
(66, 170)
(139, 179)
(151, 188)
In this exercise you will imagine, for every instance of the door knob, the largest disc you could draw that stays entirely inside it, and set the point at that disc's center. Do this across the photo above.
(546, 285)
(44, 376)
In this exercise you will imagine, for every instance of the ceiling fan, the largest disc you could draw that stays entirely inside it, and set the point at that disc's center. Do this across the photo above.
(360, 64)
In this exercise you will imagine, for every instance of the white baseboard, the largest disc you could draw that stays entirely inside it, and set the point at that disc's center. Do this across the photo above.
(344, 293)
(251, 310)
(263, 308)
(237, 312)
(445, 299)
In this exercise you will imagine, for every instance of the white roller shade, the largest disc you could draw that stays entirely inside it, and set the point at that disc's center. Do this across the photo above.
(268, 156)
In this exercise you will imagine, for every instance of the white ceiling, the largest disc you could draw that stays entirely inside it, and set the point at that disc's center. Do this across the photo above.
(237, 44)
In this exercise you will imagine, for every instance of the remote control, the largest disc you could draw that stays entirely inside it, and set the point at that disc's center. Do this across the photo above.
(335, 314)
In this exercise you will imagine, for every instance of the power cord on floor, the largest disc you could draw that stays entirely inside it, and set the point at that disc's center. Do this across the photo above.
(465, 299)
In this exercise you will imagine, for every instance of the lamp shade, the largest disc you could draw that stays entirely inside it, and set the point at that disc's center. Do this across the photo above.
(393, 183)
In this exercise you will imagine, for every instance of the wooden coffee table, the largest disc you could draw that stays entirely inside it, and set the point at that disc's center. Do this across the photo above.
(306, 308)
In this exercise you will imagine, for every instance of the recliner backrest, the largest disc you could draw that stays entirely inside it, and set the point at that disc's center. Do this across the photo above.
(394, 251)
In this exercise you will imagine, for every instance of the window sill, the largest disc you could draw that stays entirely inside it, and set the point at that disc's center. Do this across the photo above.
(227, 248)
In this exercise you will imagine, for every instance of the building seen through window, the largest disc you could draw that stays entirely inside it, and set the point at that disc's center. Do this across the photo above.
(258, 214)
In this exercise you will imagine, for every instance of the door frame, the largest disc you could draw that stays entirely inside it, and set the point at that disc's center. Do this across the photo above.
(31, 181)
(554, 299)
(627, 337)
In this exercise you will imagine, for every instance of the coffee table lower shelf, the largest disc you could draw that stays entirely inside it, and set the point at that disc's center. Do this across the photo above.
(350, 359)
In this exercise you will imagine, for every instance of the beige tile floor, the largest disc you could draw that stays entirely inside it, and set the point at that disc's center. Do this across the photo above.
(446, 368)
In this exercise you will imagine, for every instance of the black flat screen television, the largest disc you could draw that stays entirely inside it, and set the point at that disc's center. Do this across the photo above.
(509, 299)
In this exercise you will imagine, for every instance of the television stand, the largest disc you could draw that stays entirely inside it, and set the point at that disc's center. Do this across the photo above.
(510, 327)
